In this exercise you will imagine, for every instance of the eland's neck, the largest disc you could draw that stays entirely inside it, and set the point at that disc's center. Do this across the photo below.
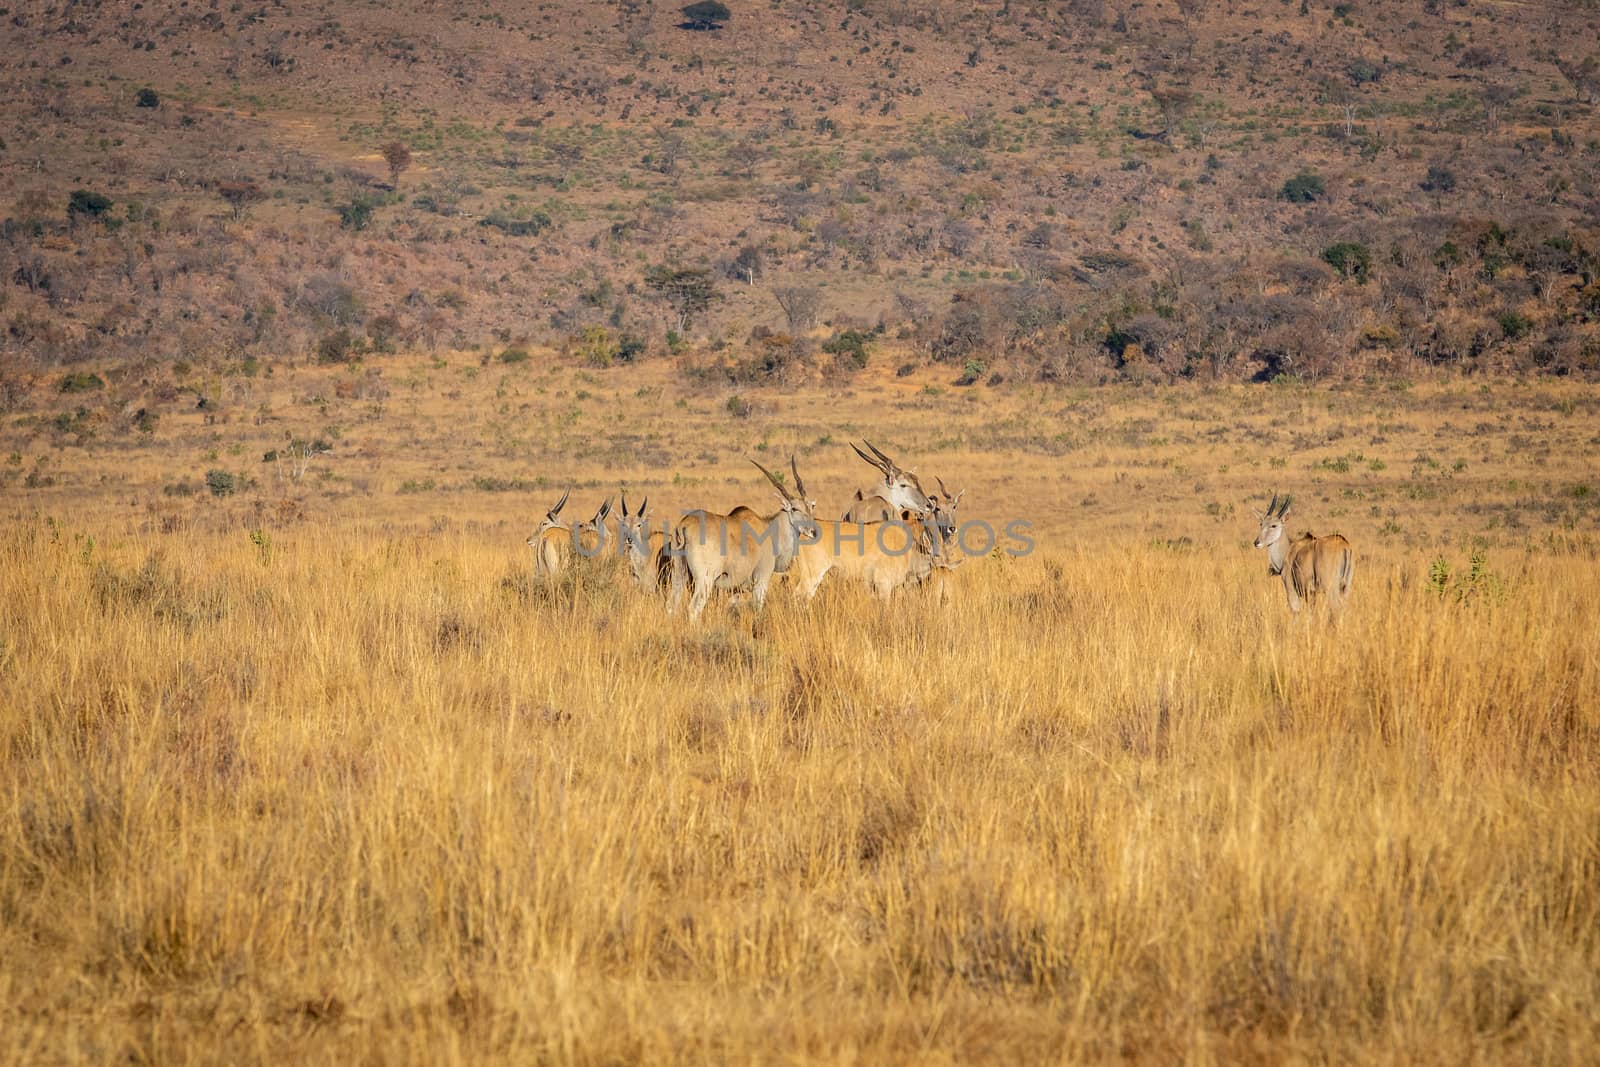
(1278, 554)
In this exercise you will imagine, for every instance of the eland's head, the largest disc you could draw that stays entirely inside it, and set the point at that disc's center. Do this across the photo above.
(633, 527)
(900, 486)
(794, 500)
(945, 504)
(591, 534)
(1271, 532)
(551, 521)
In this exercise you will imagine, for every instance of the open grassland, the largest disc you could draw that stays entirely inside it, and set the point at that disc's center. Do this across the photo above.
(315, 770)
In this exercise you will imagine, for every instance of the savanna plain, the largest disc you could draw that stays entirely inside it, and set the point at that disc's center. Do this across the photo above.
(300, 762)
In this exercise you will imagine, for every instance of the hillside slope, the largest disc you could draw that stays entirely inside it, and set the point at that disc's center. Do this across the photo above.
(1064, 191)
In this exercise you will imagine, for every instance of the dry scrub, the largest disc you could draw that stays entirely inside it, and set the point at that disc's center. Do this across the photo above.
(340, 793)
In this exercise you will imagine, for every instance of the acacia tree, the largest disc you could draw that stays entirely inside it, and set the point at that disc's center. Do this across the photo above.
(1174, 102)
(689, 291)
(706, 15)
(240, 195)
(398, 156)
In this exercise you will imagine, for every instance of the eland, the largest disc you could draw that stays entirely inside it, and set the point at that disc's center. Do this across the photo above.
(645, 549)
(1310, 566)
(739, 551)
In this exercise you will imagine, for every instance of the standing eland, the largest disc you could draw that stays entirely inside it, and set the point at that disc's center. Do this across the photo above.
(1310, 566)
(739, 551)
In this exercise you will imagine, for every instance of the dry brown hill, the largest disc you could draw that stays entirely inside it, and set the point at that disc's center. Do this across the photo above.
(1063, 191)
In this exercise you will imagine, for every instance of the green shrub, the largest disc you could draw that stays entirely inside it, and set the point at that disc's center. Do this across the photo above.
(221, 482)
(1303, 188)
(357, 214)
(629, 348)
(83, 203)
(515, 354)
(594, 345)
(81, 382)
(336, 347)
(147, 97)
(515, 227)
(1351, 259)
(706, 15)
(1515, 325)
(851, 344)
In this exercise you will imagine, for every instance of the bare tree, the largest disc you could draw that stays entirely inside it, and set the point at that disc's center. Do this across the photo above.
(800, 303)
(1495, 99)
(1189, 11)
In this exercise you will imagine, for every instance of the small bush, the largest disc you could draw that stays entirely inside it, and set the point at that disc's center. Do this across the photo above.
(357, 214)
(1303, 188)
(594, 345)
(848, 344)
(629, 348)
(971, 371)
(221, 482)
(336, 347)
(81, 382)
(515, 354)
(1439, 179)
(1515, 325)
(515, 227)
(147, 97)
(1363, 72)
(85, 204)
(738, 407)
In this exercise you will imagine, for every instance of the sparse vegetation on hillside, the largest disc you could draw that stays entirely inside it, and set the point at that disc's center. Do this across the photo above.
(877, 148)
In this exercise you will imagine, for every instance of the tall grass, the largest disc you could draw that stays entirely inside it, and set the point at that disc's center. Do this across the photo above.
(361, 794)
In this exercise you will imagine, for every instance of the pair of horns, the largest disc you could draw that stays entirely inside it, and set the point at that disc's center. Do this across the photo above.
(799, 486)
(553, 512)
(644, 507)
(954, 498)
(1277, 510)
(877, 459)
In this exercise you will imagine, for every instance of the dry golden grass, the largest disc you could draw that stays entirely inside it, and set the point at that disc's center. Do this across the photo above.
(358, 789)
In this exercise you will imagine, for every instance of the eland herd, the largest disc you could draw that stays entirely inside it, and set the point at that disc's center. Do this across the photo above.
(894, 535)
